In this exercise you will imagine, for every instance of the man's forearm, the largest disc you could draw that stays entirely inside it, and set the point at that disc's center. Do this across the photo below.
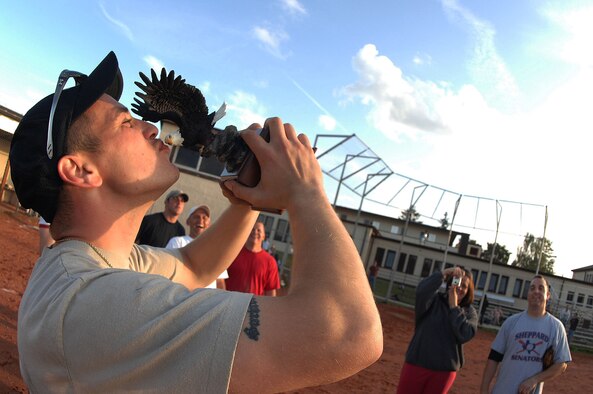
(215, 249)
(555, 370)
(327, 268)
(488, 375)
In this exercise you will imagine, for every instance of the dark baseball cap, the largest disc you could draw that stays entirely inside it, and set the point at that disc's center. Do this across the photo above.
(34, 174)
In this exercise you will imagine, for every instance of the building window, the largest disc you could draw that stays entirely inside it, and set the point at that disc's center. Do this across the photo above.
(504, 282)
(473, 251)
(517, 288)
(482, 281)
(411, 264)
(191, 160)
(282, 231)
(580, 299)
(268, 222)
(493, 283)
(376, 224)
(438, 266)
(343, 217)
(379, 256)
(475, 276)
(526, 289)
(589, 301)
(426, 236)
(395, 229)
(390, 259)
(426, 268)
(401, 262)
(570, 296)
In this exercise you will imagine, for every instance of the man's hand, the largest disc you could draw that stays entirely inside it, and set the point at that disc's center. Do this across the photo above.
(528, 385)
(289, 170)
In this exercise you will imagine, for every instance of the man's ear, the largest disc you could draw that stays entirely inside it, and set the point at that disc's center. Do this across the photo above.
(77, 170)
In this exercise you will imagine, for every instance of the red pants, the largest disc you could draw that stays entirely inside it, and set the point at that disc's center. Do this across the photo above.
(418, 380)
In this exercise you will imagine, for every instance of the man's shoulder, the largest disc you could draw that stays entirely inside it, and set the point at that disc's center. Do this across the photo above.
(153, 216)
(265, 254)
(512, 320)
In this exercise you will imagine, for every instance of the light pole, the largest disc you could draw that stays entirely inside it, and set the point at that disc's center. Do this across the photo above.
(401, 241)
(498, 216)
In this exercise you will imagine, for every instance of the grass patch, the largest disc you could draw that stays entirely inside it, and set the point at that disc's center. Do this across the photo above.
(402, 293)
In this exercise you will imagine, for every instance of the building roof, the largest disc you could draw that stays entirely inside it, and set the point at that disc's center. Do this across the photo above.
(587, 268)
(10, 113)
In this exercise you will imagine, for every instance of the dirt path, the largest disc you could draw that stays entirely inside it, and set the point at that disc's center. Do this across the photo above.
(18, 252)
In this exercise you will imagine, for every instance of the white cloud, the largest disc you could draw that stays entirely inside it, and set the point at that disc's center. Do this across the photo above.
(577, 24)
(154, 63)
(489, 72)
(271, 40)
(120, 25)
(294, 7)
(421, 59)
(243, 109)
(327, 122)
(399, 104)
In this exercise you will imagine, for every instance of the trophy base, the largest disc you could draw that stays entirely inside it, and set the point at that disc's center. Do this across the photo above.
(249, 173)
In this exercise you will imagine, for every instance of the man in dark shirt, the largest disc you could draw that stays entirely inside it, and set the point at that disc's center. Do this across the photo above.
(572, 327)
(158, 228)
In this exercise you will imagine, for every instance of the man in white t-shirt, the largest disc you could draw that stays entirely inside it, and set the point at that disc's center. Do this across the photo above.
(520, 347)
(198, 221)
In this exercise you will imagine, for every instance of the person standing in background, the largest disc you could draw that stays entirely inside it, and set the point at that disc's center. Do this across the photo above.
(520, 346)
(573, 323)
(444, 322)
(158, 228)
(198, 221)
(254, 270)
(373, 272)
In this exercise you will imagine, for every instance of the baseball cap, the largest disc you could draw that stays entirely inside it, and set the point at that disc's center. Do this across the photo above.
(175, 193)
(202, 207)
(34, 173)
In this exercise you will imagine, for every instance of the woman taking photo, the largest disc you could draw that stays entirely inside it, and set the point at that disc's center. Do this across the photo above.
(444, 322)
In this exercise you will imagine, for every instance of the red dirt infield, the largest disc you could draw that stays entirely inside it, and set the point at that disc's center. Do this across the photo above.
(18, 252)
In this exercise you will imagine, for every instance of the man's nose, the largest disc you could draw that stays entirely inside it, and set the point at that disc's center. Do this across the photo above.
(149, 130)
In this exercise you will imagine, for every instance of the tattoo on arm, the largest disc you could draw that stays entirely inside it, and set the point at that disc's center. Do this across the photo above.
(253, 311)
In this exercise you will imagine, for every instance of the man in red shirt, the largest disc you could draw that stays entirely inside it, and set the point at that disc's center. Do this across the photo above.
(254, 270)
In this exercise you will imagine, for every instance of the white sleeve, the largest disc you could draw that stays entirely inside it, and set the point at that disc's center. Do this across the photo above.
(174, 243)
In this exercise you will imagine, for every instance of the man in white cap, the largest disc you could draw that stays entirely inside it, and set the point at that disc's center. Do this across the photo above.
(198, 221)
(158, 228)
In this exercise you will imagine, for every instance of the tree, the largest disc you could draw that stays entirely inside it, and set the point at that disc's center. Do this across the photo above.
(444, 221)
(528, 255)
(501, 254)
(412, 213)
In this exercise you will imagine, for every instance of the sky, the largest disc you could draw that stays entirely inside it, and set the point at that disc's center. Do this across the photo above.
(483, 98)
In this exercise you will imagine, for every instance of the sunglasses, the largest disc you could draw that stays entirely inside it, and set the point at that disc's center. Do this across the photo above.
(62, 79)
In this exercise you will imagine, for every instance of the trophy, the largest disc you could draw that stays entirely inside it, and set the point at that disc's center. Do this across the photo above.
(171, 98)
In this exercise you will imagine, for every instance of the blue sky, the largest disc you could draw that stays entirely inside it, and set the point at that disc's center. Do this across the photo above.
(482, 98)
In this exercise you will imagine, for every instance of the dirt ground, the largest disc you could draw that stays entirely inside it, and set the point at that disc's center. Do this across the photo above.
(18, 252)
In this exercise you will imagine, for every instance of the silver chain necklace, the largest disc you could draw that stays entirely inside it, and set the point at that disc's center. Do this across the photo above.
(91, 246)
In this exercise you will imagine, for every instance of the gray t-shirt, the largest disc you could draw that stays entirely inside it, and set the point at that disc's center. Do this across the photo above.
(523, 340)
(84, 327)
